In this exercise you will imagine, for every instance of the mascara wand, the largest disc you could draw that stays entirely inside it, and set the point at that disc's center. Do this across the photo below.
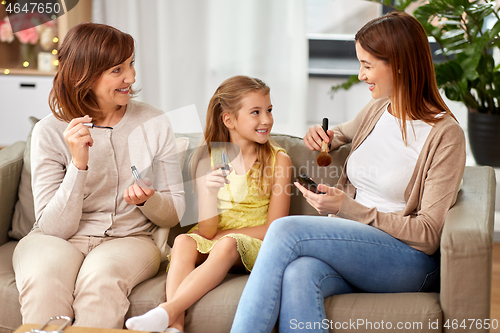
(324, 159)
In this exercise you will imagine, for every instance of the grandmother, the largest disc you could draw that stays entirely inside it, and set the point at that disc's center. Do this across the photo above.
(92, 241)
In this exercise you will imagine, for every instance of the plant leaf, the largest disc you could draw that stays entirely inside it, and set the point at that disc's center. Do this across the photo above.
(353, 79)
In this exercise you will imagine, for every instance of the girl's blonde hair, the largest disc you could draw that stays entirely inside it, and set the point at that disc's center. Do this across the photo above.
(227, 100)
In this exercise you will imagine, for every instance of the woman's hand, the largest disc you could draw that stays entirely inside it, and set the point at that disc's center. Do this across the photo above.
(315, 136)
(78, 139)
(216, 179)
(328, 203)
(137, 195)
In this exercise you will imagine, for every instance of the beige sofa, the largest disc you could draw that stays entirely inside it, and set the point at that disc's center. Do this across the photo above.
(466, 252)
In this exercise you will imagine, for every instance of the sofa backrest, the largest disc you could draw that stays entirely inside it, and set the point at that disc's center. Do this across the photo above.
(303, 160)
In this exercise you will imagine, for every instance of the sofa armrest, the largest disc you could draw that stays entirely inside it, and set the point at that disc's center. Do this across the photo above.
(466, 251)
(11, 164)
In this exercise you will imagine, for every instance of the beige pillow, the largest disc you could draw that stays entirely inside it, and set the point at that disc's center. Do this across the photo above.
(11, 165)
(160, 236)
(182, 146)
(24, 211)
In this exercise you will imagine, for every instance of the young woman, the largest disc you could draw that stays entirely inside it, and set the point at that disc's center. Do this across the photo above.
(92, 240)
(390, 204)
(236, 206)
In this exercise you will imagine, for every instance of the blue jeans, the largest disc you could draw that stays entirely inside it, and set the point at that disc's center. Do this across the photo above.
(305, 259)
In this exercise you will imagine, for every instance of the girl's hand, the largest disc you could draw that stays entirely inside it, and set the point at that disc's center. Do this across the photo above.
(218, 235)
(137, 195)
(78, 139)
(328, 203)
(216, 179)
(315, 136)
(221, 233)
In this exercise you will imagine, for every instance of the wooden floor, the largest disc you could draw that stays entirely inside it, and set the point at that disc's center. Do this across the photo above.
(495, 285)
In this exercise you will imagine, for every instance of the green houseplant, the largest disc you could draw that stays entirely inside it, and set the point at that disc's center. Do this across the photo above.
(467, 33)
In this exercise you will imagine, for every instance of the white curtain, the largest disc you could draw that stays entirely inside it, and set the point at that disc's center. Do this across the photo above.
(186, 48)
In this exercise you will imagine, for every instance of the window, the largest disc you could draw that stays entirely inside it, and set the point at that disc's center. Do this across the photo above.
(331, 26)
(339, 16)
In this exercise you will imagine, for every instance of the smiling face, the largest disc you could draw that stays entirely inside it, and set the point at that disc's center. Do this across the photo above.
(254, 119)
(112, 88)
(375, 72)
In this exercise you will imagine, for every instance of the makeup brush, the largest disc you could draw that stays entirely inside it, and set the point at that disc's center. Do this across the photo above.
(324, 159)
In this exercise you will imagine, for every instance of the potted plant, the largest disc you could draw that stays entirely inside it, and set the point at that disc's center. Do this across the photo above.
(467, 33)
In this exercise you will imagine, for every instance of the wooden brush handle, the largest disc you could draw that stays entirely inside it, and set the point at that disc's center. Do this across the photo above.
(324, 147)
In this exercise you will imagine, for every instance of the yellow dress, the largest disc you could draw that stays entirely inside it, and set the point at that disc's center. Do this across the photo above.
(240, 205)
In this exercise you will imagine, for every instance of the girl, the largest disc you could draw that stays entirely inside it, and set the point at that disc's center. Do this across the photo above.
(230, 232)
(399, 181)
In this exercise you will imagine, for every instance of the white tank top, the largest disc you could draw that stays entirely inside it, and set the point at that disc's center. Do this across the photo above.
(381, 167)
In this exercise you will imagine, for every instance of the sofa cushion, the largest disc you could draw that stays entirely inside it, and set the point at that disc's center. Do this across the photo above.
(10, 172)
(215, 311)
(357, 312)
(148, 294)
(399, 312)
(24, 211)
(217, 307)
(10, 309)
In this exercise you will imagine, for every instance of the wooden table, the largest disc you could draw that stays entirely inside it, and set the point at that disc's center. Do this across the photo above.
(71, 329)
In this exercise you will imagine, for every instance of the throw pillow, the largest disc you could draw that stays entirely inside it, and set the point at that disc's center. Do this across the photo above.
(24, 211)
(160, 236)
(11, 164)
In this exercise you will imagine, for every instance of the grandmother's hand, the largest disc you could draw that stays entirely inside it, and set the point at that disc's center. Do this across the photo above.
(137, 195)
(328, 203)
(78, 139)
(315, 136)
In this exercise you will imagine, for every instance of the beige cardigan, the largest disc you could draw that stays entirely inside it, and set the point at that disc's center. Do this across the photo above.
(432, 189)
(71, 202)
